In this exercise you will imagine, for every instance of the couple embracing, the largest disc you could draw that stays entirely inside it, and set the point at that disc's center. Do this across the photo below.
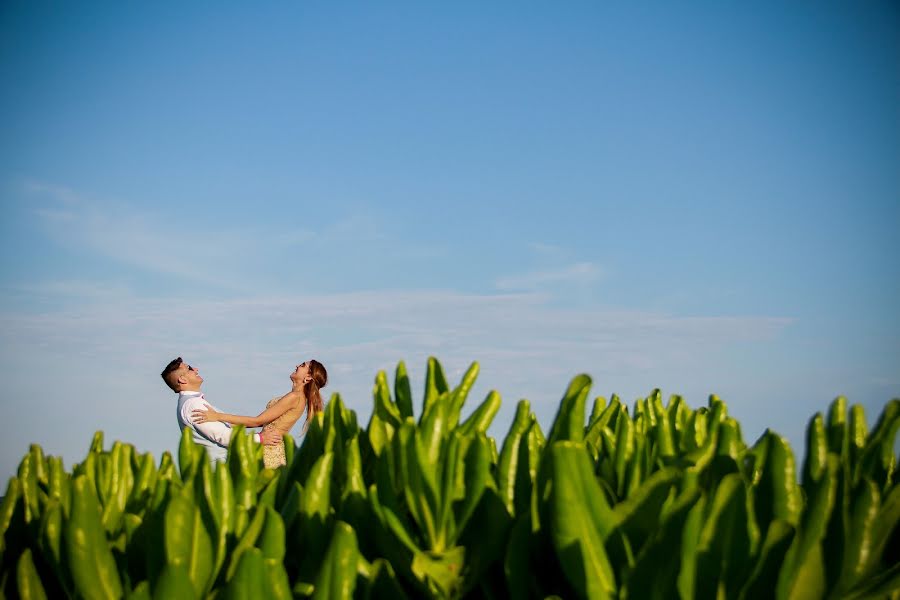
(212, 429)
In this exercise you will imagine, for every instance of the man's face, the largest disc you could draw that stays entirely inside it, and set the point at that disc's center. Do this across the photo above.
(188, 375)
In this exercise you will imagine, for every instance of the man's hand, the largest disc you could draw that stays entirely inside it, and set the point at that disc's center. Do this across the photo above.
(200, 415)
(269, 437)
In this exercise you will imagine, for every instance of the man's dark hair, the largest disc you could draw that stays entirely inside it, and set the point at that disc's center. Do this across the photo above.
(168, 374)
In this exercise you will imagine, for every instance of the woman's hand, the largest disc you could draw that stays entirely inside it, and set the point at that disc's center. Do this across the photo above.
(204, 416)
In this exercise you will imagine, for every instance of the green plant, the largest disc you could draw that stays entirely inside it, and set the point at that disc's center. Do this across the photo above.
(652, 501)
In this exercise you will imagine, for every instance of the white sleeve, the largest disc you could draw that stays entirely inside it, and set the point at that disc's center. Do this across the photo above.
(215, 431)
(219, 433)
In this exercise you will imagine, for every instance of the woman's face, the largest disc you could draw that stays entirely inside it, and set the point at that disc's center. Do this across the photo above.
(301, 373)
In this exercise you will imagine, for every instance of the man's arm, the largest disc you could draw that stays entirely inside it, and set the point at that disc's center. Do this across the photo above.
(271, 413)
(269, 437)
(218, 433)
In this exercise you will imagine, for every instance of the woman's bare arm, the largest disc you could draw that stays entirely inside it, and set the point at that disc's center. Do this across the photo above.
(267, 416)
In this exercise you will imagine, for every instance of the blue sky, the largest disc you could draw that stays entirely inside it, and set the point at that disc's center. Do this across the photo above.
(699, 198)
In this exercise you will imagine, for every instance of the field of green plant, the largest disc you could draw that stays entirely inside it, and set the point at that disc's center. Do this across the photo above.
(649, 501)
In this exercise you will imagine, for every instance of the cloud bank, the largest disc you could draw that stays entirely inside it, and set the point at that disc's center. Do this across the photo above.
(95, 365)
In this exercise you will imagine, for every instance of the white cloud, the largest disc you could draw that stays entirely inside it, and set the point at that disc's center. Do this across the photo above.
(237, 259)
(360, 228)
(547, 250)
(123, 234)
(96, 366)
(69, 289)
(59, 193)
(579, 273)
(94, 363)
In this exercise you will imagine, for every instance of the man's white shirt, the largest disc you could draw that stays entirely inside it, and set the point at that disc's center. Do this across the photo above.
(214, 436)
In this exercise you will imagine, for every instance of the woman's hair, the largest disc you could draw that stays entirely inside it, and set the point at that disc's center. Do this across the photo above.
(314, 404)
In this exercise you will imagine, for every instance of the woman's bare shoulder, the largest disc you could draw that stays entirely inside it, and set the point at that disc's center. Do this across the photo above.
(291, 397)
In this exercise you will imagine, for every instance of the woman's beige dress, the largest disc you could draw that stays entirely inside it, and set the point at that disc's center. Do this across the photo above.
(273, 456)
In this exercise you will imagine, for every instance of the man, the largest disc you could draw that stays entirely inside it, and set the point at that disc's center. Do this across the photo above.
(185, 381)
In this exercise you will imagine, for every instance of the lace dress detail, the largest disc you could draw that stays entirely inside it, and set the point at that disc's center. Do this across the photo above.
(273, 456)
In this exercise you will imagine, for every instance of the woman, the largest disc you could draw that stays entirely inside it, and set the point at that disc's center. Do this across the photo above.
(281, 413)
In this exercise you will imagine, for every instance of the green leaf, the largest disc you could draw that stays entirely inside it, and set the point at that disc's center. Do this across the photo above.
(277, 584)
(639, 515)
(857, 432)
(777, 496)
(453, 481)
(429, 437)
(354, 483)
(730, 443)
(243, 467)
(696, 431)
(606, 417)
(480, 419)
(816, 451)
(267, 494)
(28, 580)
(516, 560)
(142, 591)
(29, 487)
(385, 506)
(580, 519)
(596, 410)
(187, 541)
(121, 482)
(885, 584)
(384, 407)
(8, 508)
(484, 537)
(441, 572)
(174, 584)
(310, 450)
(96, 443)
(477, 477)
(418, 487)
(509, 456)
(813, 525)
(51, 542)
(690, 541)
(809, 582)
(290, 447)
(271, 539)
(886, 527)
(379, 433)
(663, 434)
(838, 436)
(725, 543)
(569, 421)
(249, 579)
(877, 461)
(317, 488)
(459, 395)
(763, 581)
(144, 483)
(291, 507)
(382, 582)
(337, 577)
(247, 541)
(657, 564)
(624, 452)
(186, 456)
(402, 391)
(92, 564)
(858, 546)
(60, 485)
(435, 384)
